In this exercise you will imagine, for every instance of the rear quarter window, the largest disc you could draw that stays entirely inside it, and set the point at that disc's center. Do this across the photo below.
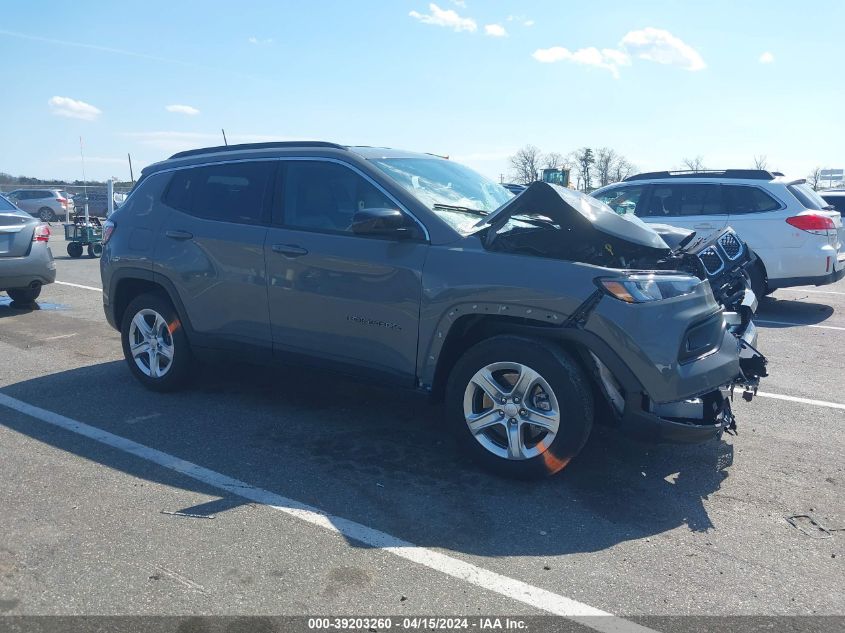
(807, 196)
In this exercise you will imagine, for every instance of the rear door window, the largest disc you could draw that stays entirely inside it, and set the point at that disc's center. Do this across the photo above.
(229, 192)
(684, 200)
(740, 200)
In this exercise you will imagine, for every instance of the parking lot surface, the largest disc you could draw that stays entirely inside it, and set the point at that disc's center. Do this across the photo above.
(314, 494)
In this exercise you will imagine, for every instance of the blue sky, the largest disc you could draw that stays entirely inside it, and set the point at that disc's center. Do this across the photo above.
(657, 81)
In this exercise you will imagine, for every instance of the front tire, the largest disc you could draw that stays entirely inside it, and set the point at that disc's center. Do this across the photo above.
(521, 407)
(758, 281)
(74, 249)
(154, 343)
(24, 296)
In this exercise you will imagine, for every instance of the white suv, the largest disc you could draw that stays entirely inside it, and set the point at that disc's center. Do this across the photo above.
(796, 235)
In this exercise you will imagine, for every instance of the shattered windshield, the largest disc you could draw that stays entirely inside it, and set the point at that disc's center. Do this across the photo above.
(454, 192)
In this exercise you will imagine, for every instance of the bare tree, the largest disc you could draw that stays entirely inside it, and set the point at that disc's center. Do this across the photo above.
(622, 169)
(694, 164)
(760, 161)
(554, 160)
(526, 163)
(814, 178)
(606, 158)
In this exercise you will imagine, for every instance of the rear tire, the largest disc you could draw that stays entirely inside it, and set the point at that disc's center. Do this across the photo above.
(154, 343)
(24, 296)
(74, 249)
(95, 250)
(46, 214)
(544, 412)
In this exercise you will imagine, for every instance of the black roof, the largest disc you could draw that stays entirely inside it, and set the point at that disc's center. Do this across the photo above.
(249, 146)
(745, 174)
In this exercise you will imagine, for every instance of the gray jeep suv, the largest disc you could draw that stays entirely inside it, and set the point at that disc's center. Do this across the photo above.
(531, 315)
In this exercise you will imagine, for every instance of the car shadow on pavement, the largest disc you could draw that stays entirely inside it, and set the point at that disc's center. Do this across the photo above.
(384, 458)
(793, 312)
(9, 308)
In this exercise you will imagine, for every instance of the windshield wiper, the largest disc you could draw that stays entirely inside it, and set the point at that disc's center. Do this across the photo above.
(452, 207)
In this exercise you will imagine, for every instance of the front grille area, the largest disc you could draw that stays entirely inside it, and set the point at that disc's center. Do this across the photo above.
(712, 260)
(731, 245)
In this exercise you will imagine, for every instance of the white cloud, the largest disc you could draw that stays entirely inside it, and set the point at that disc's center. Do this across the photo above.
(445, 17)
(260, 42)
(520, 18)
(658, 45)
(495, 30)
(767, 58)
(460, 3)
(73, 109)
(607, 58)
(182, 109)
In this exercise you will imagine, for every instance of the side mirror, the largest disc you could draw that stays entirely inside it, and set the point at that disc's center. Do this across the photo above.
(382, 222)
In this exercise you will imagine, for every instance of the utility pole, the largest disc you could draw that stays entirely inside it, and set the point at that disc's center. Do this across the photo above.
(131, 175)
(225, 142)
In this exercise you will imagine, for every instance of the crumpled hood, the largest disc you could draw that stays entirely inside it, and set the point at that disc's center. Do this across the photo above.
(575, 211)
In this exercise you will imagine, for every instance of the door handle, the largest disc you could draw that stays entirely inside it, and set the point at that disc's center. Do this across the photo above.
(179, 235)
(289, 250)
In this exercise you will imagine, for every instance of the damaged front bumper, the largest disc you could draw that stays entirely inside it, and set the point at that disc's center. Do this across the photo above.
(694, 419)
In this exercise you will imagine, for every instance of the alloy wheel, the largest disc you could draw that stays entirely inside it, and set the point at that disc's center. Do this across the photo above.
(151, 343)
(511, 410)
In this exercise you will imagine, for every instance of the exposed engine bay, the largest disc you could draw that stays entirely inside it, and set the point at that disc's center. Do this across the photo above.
(550, 221)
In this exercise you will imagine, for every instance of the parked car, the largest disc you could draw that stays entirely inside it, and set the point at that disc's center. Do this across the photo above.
(531, 315)
(48, 205)
(795, 234)
(835, 198)
(98, 205)
(26, 263)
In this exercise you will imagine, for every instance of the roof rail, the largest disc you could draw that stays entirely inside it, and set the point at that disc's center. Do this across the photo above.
(746, 174)
(247, 146)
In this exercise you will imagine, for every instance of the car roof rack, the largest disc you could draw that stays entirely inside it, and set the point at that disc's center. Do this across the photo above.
(248, 146)
(746, 174)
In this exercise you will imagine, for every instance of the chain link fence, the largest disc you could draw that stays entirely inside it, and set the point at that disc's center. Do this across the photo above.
(95, 195)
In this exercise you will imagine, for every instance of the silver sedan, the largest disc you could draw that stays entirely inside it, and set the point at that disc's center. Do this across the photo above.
(26, 262)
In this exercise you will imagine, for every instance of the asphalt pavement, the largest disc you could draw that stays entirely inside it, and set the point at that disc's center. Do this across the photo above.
(316, 494)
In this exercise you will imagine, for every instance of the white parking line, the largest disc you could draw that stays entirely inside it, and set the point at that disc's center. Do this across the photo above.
(67, 283)
(483, 578)
(818, 403)
(821, 327)
(817, 292)
(59, 336)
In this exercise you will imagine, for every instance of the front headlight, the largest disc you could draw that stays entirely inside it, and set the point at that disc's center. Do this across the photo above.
(642, 288)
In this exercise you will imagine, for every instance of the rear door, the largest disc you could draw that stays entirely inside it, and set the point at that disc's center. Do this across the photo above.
(760, 220)
(694, 206)
(16, 228)
(212, 250)
(346, 298)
